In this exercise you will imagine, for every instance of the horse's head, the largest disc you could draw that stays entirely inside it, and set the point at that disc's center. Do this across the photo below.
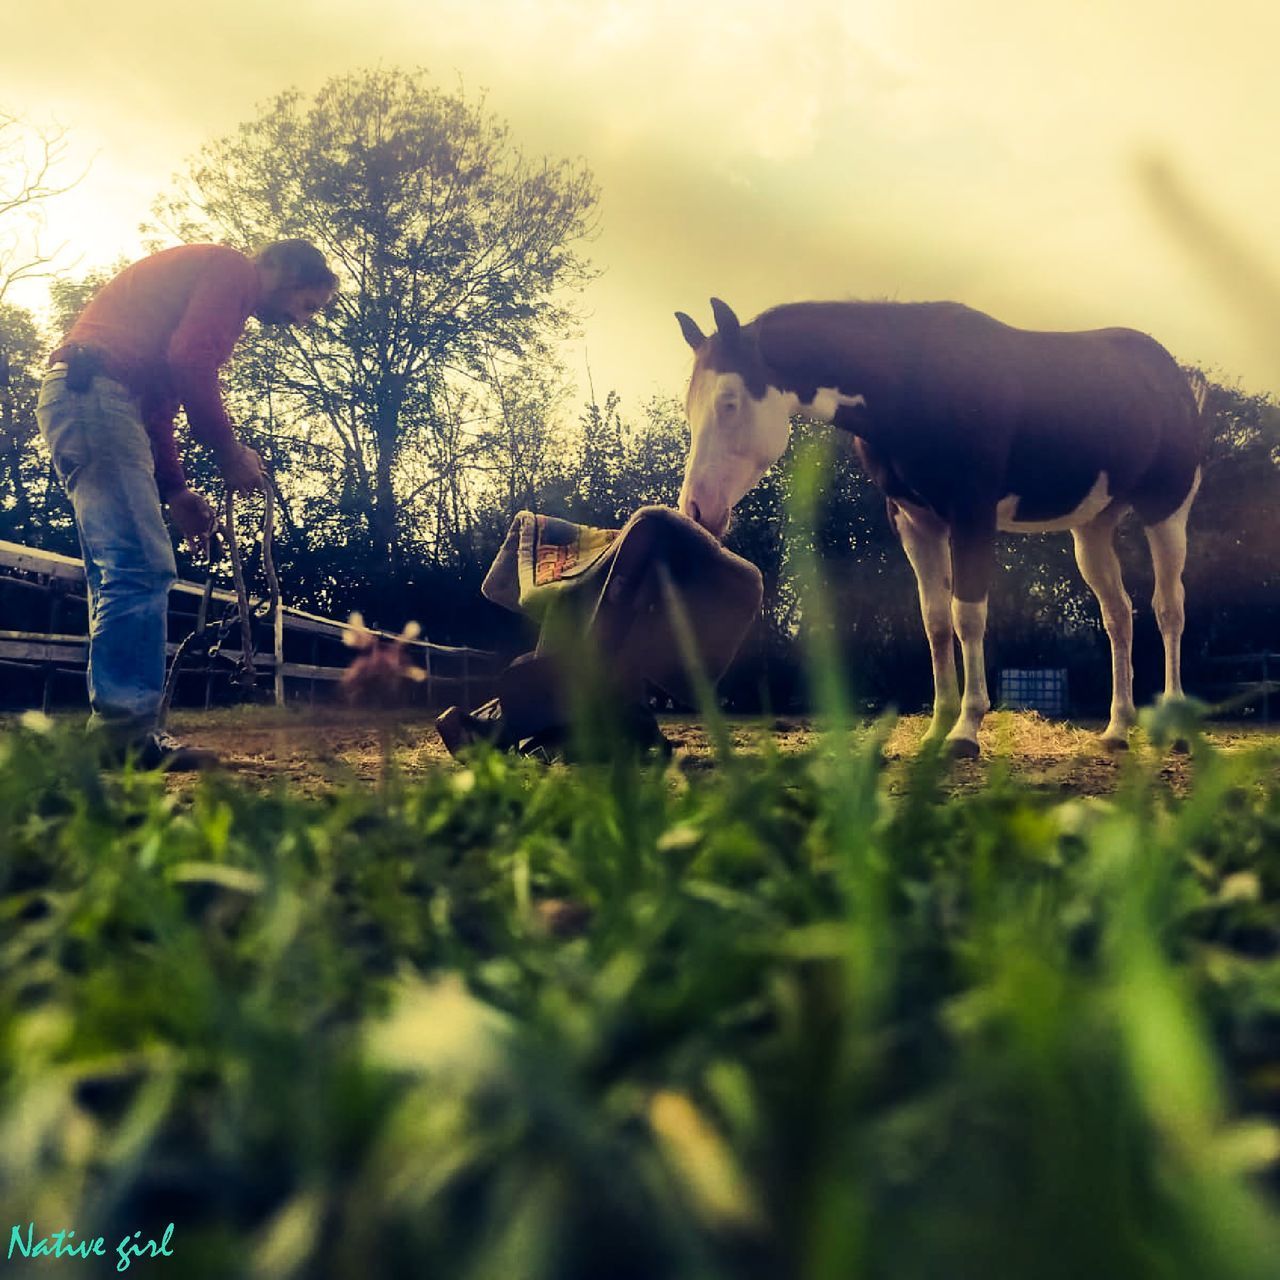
(739, 425)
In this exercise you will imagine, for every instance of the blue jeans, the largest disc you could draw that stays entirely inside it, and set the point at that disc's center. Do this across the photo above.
(103, 457)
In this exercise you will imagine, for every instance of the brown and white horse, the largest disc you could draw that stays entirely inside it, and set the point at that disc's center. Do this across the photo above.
(969, 426)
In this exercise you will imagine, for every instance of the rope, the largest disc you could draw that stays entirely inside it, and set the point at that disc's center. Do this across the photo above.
(245, 674)
(274, 612)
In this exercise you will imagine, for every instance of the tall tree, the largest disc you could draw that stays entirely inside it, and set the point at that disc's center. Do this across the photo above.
(33, 508)
(458, 255)
(620, 463)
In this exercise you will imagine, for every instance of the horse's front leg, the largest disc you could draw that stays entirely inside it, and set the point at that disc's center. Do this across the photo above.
(1168, 543)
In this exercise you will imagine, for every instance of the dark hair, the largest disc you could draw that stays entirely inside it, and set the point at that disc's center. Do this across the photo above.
(299, 263)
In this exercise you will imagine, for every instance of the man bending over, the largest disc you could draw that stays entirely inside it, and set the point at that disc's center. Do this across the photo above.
(151, 340)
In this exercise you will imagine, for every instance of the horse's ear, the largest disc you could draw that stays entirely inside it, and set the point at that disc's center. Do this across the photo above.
(689, 327)
(726, 321)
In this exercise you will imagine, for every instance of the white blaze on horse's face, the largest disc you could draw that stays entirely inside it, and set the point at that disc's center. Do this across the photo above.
(734, 440)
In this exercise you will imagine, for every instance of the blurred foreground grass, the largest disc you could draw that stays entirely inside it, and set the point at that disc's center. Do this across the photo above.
(767, 1021)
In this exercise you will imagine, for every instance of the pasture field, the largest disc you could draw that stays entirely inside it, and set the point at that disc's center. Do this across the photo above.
(795, 1005)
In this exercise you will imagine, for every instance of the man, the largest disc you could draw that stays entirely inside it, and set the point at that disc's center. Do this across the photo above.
(152, 339)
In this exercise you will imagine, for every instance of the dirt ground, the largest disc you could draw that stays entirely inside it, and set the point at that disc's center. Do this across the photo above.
(314, 748)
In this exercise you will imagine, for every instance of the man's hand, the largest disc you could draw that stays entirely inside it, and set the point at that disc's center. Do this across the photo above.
(194, 518)
(242, 469)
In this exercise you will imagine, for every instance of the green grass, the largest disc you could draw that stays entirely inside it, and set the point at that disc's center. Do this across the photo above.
(612, 1021)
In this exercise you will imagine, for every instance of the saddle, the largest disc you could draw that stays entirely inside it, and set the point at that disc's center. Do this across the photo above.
(658, 603)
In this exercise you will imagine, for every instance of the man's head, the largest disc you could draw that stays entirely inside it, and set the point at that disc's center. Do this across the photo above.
(296, 282)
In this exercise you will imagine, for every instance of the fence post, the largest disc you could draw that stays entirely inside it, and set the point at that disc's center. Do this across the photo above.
(55, 602)
(277, 639)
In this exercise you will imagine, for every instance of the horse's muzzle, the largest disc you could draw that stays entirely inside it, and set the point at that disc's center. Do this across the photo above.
(714, 522)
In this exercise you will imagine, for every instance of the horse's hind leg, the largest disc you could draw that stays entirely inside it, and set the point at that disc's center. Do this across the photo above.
(972, 559)
(926, 542)
(1168, 542)
(1100, 568)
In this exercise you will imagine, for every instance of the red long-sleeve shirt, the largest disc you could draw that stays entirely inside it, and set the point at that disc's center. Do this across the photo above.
(164, 326)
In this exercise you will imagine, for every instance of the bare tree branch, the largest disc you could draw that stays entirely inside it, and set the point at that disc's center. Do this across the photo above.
(30, 160)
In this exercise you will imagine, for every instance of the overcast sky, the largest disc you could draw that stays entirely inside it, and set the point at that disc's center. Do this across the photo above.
(986, 151)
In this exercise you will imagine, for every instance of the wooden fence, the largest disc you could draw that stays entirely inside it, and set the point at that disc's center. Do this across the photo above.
(44, 640)
(1248, 680)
